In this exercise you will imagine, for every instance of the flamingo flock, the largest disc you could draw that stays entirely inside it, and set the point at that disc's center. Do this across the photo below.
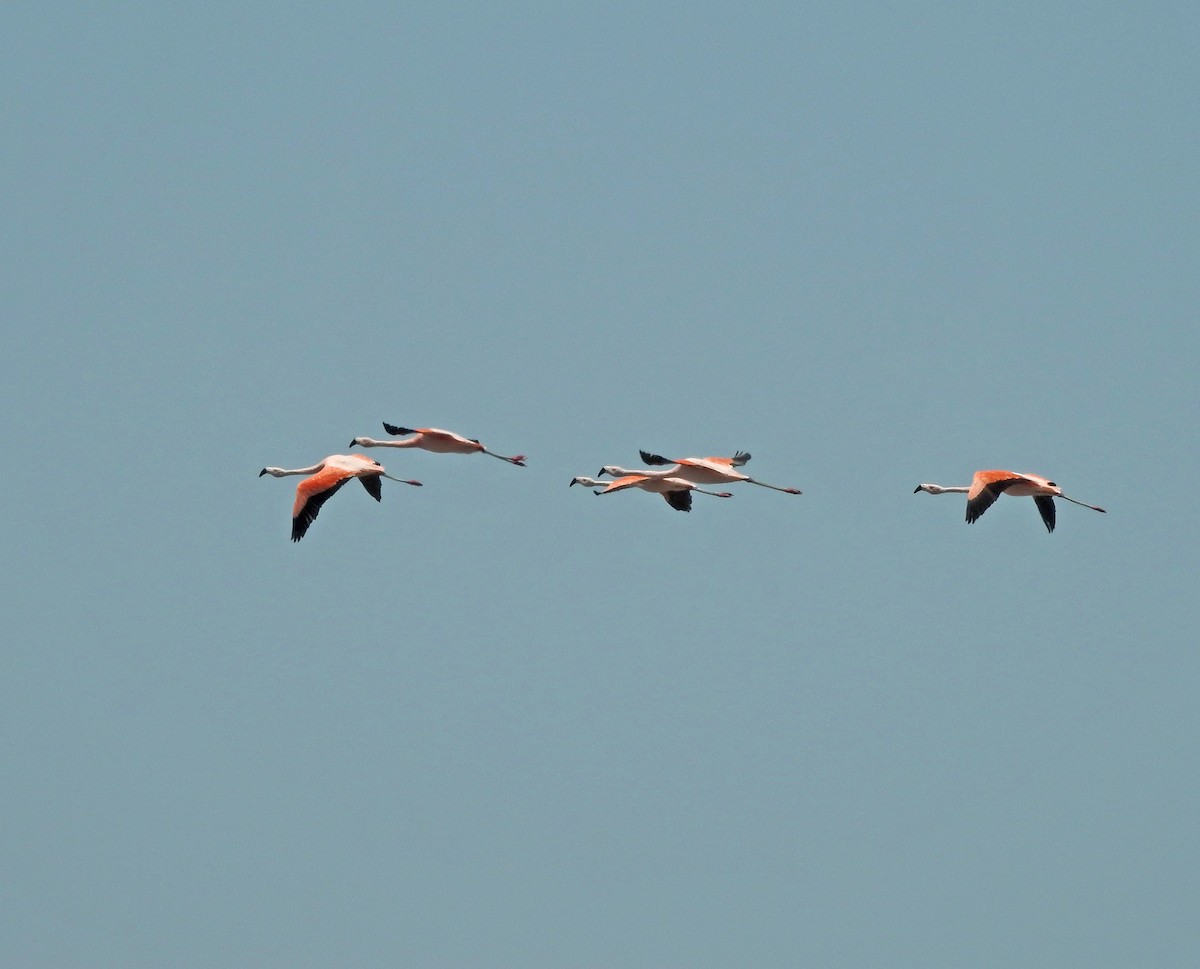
(676, 479)
(329, 474)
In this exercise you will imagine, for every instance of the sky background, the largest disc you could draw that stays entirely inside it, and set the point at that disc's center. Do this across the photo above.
(496, 722)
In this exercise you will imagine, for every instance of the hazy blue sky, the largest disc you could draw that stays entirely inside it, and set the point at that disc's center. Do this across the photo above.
(497, 722)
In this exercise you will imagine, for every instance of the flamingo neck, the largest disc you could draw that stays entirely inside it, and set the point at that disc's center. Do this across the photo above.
(371, 442)
(618, 472)
(283, 472)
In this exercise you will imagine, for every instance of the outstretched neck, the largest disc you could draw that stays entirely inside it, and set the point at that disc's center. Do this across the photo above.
(371, 442)
(618, 472)
(935, 489)
(283, 472)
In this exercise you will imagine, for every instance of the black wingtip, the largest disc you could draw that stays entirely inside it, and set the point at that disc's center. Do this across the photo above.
(1046, 508)
(393, 429)
(649, 458)
(679, 500)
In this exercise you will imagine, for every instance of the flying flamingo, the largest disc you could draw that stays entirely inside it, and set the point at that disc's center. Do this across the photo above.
(712, 470)
(987, 486)
(676, 491)
(327, 477)
(433, 439)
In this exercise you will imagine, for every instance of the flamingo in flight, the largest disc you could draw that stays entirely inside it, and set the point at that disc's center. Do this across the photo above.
(434, 439)
(987, 486)
(712, 470)
(677, 491)
(326, 477)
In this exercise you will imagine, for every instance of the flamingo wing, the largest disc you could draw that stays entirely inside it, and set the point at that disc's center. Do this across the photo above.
(311, 494)
(436, 434)
(679, 500)
(1045, 505)
(986, 487)
(373, 484)
(620, 484)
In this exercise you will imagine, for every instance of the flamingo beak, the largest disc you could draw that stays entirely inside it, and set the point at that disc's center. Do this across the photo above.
(262, 472)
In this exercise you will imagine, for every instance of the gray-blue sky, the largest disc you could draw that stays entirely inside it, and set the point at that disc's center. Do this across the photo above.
(497, 722)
